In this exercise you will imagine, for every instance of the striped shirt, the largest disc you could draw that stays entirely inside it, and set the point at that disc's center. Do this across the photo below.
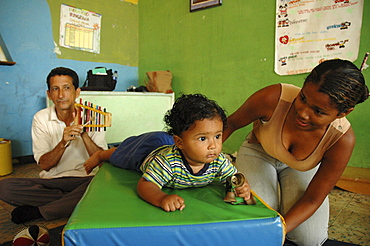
(167, 167)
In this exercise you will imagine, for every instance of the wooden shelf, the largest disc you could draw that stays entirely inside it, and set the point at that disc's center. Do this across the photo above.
(7, 63)
(5, 58)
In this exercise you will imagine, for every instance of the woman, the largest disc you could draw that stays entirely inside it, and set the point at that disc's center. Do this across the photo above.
(300, 144)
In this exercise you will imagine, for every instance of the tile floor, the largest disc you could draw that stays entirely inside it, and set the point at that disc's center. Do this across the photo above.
(349, 213)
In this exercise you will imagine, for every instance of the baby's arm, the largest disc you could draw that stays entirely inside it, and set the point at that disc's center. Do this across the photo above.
(151, 193)
(97, 158)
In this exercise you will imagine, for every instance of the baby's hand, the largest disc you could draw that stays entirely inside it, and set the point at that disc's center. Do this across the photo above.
(172, 203)
(92, 162)
(244, 191)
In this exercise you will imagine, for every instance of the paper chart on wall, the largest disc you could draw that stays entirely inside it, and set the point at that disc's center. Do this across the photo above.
(309, 31)
(79, 29)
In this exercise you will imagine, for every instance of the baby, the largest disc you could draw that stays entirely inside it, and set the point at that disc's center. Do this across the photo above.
(188, 155)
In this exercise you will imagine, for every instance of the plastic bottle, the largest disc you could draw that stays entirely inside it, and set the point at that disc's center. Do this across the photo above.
(115, 76)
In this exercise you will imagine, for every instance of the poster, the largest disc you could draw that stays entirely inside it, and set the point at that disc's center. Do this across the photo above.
(79, 29)
(309, 31)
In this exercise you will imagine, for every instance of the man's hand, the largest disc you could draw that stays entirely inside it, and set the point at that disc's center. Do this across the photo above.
(70, 133)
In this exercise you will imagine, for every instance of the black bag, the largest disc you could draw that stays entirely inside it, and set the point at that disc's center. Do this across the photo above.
(99, 82)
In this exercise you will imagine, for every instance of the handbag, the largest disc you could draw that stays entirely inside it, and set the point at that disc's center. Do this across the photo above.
(99, 79)
(159, 81)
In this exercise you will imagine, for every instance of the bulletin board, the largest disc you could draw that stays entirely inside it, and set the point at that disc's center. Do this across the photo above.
(79, 29)
(309, 31)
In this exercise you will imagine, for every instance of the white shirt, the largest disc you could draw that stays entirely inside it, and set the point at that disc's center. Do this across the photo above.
(47, 132)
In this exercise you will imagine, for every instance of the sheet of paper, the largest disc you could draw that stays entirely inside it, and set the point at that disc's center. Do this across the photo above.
(308, 31)
(79, 29)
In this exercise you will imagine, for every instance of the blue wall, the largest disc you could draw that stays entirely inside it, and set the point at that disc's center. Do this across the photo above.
(26, 29)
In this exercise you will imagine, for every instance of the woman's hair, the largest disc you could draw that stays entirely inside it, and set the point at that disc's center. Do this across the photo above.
(189, 108)
(63, 71)
(342, 81)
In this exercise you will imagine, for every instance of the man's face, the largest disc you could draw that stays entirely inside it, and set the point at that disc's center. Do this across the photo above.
(62, 92)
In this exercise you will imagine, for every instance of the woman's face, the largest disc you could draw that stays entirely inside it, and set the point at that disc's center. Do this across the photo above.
(313, 109)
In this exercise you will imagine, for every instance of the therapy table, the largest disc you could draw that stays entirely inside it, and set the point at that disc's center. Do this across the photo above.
(112, 213)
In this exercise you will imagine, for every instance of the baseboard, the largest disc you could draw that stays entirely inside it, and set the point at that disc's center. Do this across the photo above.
(23, 160)
(355, 179)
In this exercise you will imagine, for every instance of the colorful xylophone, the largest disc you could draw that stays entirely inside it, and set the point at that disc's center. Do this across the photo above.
(93, 117)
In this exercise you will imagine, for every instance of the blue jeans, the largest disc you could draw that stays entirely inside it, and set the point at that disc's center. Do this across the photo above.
(131, 153)
(281, 187)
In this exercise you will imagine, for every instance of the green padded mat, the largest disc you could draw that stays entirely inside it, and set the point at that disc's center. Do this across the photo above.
(111, 201)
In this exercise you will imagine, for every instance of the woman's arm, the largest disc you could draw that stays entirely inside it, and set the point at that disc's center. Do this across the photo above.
(331, 168)
(151, 193)
(260, 105)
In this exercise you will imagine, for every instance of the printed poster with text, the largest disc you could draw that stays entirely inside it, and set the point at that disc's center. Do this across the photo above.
(309, 31)
(79, 29)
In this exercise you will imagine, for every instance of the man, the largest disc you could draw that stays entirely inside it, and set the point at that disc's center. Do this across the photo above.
(60, 149)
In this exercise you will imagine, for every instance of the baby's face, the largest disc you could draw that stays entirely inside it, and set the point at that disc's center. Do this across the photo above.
(202, 142)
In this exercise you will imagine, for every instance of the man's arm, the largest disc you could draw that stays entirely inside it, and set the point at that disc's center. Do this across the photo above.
(70, 133)
(90, 145)
(52, 158)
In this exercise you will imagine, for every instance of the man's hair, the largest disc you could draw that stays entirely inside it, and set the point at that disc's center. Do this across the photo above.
(189, 108)
(63, 71)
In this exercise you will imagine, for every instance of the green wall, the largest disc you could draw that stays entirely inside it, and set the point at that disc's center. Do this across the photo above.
(227, 53)
(119, 35)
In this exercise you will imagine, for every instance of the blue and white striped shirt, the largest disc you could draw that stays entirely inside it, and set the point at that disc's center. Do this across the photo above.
(167, 167)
